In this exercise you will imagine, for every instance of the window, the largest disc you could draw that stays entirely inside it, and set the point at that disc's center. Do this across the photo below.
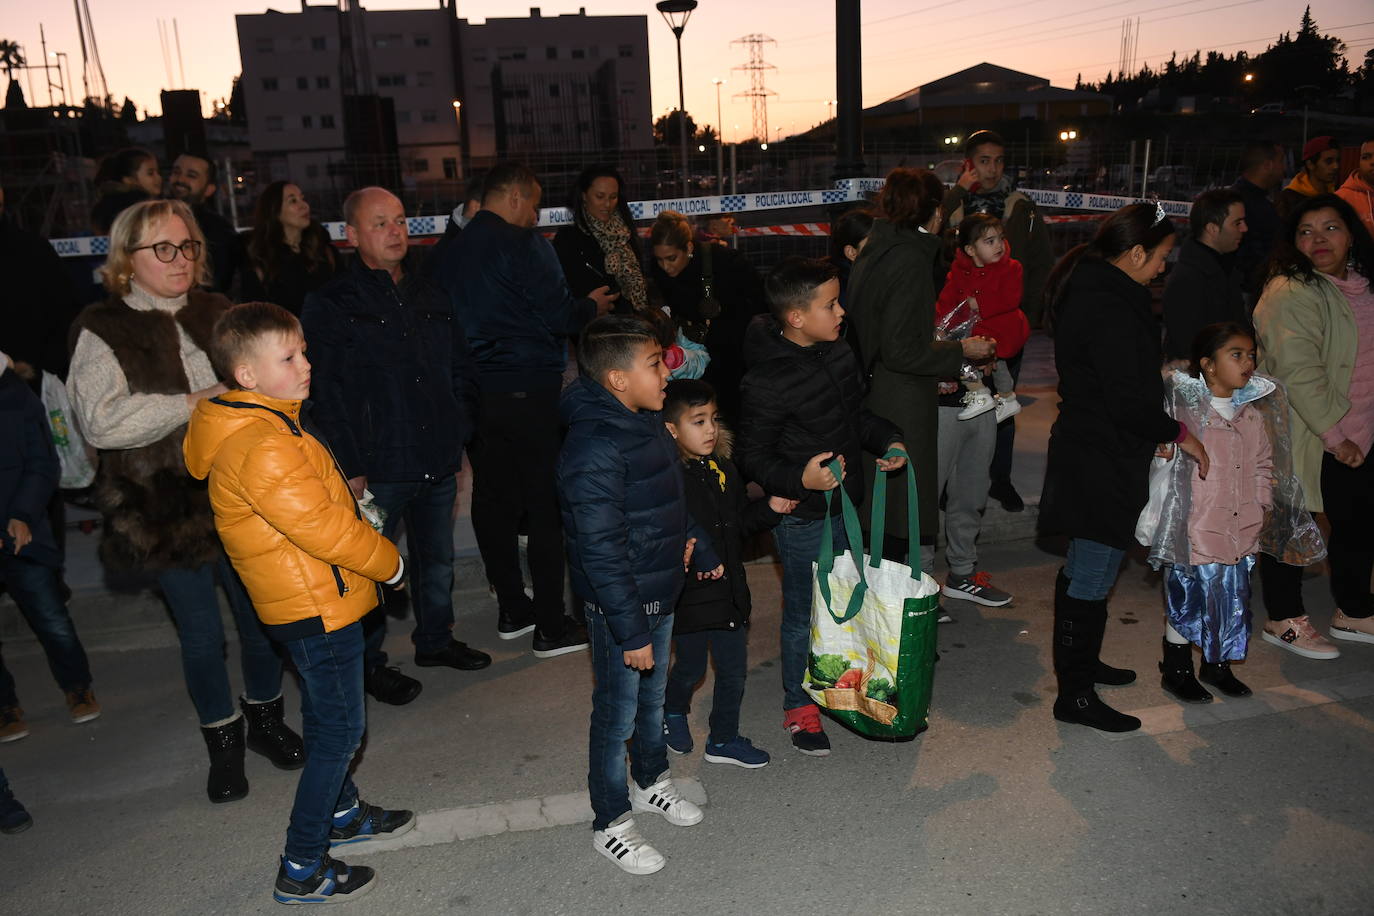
(450, 167)
(312, 171)
(420, 166)
(274, 122)
(386, 41)
(264, 45)
(302, 82)
(579, 53)
(327, 120)
(269, 84)
(422, 41)
(321, 82)
(403, 117)
(553, 91)
(424, 78)
(391, 79)
(429, 116)
(626, 50)
(307, 121)
(317, 43)
(551, 53)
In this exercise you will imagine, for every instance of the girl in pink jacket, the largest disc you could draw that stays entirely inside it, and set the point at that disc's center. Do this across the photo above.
(1210, 530)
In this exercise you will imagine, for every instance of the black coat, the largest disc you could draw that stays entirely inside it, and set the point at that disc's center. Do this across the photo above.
(1261, 229)
(224, 246)
(293, 281)
(394, 385)
(1111, 408)
(1203, 288)
(621, 488)
(114, 199)
(584, 263)
(717, 501)
(28, 469)
(739, 289)
(40, 301)
(799, 402)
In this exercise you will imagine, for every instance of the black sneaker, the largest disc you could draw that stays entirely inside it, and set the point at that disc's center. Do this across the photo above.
(804, 723)
(977, 588)
(388, 685)
(514, 622)
(14, 818)
(572, 638)
(371, 822)
(331, 882)
(1006, 494)
(454, 655)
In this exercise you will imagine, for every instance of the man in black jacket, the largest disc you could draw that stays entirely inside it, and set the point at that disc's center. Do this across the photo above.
(508, 291)
(1261, 171)
(396, 396)
(1205, 287)
(193, 180)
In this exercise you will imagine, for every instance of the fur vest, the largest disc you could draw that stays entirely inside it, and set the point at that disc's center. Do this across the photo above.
(156, 516)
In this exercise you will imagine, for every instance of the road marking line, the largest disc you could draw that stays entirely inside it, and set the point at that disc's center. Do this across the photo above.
(1175, 717)
(452, 825)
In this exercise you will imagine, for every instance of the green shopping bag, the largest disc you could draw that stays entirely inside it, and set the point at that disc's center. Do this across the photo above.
(872, 624)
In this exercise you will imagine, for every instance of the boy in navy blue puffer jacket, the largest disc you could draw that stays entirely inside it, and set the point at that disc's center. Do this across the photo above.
(629, 539)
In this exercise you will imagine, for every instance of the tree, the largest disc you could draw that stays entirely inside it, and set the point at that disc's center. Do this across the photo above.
(128, 112)
(237, 109)
(14, 96)
(667, 130)
(11, 57)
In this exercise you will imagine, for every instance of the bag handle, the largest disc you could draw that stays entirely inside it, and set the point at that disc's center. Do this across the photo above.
(878, 516)
(826, 561)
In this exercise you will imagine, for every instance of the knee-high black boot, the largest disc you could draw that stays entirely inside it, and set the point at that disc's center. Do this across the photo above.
(1078, 629)
(1103, 673)
(226, 782)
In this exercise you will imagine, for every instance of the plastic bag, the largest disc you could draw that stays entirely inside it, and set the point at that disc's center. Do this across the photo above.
(77, 468)
(958, 323)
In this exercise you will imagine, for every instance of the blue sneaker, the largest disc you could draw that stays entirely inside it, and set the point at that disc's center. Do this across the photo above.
(738, 751)
(325, 881)
(367, 822)
(13, 816)
(676, 733)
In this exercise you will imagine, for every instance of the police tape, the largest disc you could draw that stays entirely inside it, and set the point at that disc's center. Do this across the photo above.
(848, 190)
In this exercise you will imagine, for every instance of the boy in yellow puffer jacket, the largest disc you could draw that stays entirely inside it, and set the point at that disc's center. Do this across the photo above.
(310, 563)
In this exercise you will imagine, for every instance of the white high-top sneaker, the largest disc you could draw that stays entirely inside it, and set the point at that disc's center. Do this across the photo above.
(1007, 406)
(977, 401)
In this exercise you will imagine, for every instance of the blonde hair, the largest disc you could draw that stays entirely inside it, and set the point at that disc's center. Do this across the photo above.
(239, 330)
(132, 227)
(671, 228)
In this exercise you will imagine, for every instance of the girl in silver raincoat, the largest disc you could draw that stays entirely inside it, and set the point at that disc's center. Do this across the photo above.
(1208, 532)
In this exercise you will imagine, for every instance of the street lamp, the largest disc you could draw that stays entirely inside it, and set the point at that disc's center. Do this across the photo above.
(676, 13)
(1067, 135)
(1249, 77)
(720, 142)
(458, 123)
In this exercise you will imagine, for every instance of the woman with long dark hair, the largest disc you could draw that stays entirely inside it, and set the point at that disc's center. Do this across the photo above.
(1315, 322)
(123, 178)
(890, 307)
(1111, 421)
(600, 248)
(289, 253)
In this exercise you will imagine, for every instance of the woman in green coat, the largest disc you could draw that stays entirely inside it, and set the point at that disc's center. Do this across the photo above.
(890, 303)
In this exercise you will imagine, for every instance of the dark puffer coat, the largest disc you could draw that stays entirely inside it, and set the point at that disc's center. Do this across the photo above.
(28, 469)
(620, 484)
(717, 502)
(799, 402)
(394, 385)
(1111, 407)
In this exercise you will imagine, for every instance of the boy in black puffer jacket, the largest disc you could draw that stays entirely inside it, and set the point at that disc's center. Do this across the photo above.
(629, 539)
(803, 406)
(712, 614)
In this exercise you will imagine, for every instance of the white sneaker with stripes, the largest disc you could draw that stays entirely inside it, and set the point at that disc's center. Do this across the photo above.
(664, 798)
(622, 843)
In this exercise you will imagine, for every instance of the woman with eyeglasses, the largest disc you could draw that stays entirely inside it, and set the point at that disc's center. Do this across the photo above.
(142, 362)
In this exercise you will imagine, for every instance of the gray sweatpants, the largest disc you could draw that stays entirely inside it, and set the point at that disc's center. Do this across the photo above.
(963, 455)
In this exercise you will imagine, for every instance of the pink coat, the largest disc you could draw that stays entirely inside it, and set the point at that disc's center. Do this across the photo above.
(1228, 507)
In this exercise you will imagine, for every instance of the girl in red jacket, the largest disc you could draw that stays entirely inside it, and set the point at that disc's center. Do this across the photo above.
(986, 276)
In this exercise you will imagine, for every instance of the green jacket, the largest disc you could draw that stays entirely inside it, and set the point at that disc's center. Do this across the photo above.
(890, 305)
(1307, 340)
(1030, 244)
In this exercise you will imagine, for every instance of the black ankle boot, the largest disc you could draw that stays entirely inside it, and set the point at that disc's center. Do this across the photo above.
(269, 735)
(1177, 674)
(1078, 629)
(1219, 675)
(1103, 673)
(225, 744)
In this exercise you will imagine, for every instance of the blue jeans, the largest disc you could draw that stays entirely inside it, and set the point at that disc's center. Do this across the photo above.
(34, 588)
(190, 593)
(1091, 568)
(799, 543)
(627, 705)
(730, 649)
(332, 723)
(426, 506)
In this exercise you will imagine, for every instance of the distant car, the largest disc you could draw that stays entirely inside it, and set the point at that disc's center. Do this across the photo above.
(1268, 108)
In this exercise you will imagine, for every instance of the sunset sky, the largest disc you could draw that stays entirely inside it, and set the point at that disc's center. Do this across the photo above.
(906, 42)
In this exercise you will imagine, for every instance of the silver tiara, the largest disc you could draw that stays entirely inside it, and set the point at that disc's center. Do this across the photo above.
(1160, 215)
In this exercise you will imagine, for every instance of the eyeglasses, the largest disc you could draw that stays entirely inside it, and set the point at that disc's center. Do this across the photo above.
(166, 252)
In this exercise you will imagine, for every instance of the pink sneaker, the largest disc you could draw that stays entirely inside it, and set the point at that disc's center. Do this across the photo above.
(1354, 629)
(1297, 636)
